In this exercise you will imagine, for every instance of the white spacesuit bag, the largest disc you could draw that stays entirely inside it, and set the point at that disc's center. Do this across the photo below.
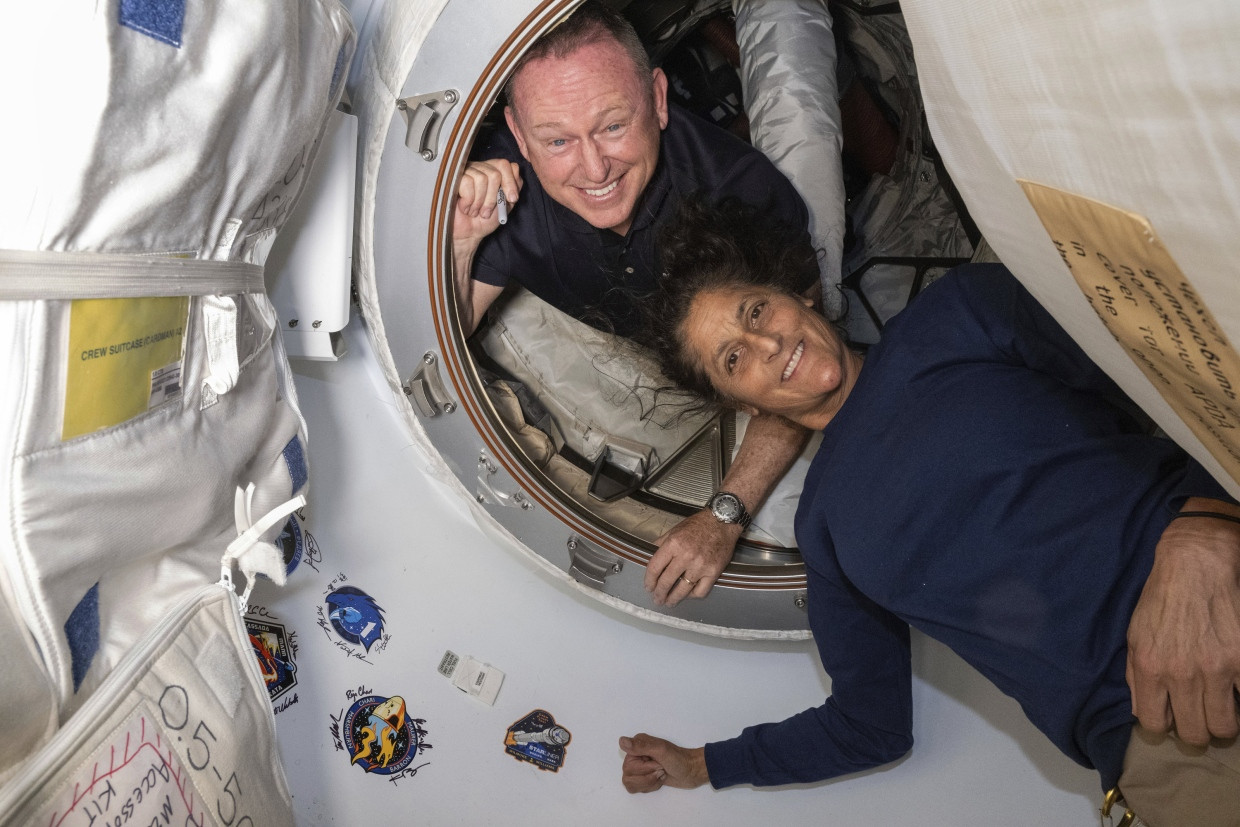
(1095, 145)
(154, 150)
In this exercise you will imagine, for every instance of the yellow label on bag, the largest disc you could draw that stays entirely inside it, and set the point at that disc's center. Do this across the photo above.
(1152, 309)
(124, 359)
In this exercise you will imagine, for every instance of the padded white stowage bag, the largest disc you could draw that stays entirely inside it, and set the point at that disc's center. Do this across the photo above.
(180, 733)
(1109, 128)
(788, 73)
(142, 131)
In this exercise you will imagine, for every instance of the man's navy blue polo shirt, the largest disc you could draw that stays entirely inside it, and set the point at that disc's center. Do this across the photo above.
(597, 275)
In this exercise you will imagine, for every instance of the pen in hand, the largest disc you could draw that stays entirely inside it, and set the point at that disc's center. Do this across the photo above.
(501, 204)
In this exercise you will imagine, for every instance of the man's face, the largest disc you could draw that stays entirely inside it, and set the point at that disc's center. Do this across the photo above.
(590, 126)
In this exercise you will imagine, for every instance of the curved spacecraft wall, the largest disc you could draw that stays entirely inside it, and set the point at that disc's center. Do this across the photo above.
(421, 99)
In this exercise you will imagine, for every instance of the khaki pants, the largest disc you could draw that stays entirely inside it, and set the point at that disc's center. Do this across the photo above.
(1170, 784)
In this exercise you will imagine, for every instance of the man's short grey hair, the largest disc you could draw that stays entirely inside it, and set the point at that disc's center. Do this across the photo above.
(590, 23)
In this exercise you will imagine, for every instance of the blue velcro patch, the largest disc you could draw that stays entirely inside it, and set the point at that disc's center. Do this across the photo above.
(82, 630)
(295, 458)
(160, 19)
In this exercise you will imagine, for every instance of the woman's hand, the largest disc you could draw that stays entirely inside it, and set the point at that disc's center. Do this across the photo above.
(651, 763)
(1184, 636)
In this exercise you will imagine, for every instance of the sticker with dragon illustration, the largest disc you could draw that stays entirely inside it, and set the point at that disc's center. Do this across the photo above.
(379, 735)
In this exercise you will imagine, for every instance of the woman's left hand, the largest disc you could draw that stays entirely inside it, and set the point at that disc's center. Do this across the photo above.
(652, 763)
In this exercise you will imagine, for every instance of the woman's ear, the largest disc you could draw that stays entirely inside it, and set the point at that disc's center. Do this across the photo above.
(747, 409)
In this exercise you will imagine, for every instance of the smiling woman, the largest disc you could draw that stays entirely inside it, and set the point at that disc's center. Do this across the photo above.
(728, 322)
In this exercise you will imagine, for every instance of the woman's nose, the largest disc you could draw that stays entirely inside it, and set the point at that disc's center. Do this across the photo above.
(768, 344)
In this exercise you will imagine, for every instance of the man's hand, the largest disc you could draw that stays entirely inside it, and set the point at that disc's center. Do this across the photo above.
(651, 763)
(477, 196)
(1184, 636)
(475, 217)
(695, 552)
(690, 558)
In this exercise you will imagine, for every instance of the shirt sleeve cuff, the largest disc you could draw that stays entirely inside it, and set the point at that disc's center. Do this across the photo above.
(724, 765)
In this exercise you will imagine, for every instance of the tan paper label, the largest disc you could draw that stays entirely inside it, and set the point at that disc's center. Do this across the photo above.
(124, 359)
(1151, 309)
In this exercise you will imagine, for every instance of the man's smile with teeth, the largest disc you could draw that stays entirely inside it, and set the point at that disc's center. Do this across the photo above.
(604, 190)
(795, 360)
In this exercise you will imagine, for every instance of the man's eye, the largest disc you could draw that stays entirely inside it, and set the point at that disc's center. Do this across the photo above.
(558, 142)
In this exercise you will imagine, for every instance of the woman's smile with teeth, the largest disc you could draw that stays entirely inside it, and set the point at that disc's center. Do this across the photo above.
(604, 190)
(795, 360)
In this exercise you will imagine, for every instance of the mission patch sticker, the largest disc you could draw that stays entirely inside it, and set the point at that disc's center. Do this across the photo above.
(537, 738)
(379, 735)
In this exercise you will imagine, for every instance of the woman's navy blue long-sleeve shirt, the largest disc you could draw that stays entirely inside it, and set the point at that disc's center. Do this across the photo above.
(985, 483)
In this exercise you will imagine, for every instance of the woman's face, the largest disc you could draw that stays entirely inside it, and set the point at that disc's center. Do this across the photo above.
(770, 352)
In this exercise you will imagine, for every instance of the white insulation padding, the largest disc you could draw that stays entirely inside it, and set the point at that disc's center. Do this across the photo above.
(788, 73)
(170, 129)
(1131, 110)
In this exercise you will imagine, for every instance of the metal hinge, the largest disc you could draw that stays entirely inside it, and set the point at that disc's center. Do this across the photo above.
(590, 565)
(426, 389)
(424, 116)
(486, 491)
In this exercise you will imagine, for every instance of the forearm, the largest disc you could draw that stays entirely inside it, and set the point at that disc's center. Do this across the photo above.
(814, 745)
(770, 446)
(462, 280)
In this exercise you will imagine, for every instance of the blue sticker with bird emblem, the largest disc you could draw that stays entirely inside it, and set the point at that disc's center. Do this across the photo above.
(353, 620)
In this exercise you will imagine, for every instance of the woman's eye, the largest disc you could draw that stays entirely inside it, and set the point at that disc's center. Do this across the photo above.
(733, 358)
(756, 312)
(613, 127)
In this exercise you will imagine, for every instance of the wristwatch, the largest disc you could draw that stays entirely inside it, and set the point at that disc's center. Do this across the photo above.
(728, 508)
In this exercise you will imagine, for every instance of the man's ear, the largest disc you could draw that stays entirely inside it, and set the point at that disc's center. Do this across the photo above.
(660, 96)
(747, 409)
(511, 118)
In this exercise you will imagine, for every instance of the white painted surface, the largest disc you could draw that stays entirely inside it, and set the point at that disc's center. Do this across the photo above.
(400, 536)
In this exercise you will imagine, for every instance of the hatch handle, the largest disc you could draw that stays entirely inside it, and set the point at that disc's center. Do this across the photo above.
(590, 565)
(426, 389)
(424, 117)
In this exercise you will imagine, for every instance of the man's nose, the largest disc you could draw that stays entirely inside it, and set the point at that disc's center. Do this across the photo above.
(593, 162)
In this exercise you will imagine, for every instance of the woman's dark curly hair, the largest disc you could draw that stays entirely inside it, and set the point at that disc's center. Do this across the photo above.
(708, 246)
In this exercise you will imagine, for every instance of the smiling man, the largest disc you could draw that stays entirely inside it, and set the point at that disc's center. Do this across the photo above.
(593, 161)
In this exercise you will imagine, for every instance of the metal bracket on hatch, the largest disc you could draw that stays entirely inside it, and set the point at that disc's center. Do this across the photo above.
(426, 389)
(591, 565)
(488, 493)
(424, 116)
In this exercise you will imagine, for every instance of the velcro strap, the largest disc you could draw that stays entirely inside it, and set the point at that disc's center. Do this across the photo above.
(47, 274)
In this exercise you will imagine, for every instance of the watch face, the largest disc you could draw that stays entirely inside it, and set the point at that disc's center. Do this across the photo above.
(727, 508)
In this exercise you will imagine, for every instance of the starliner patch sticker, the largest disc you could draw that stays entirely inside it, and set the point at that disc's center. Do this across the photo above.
(379, 735)
(537, 738)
